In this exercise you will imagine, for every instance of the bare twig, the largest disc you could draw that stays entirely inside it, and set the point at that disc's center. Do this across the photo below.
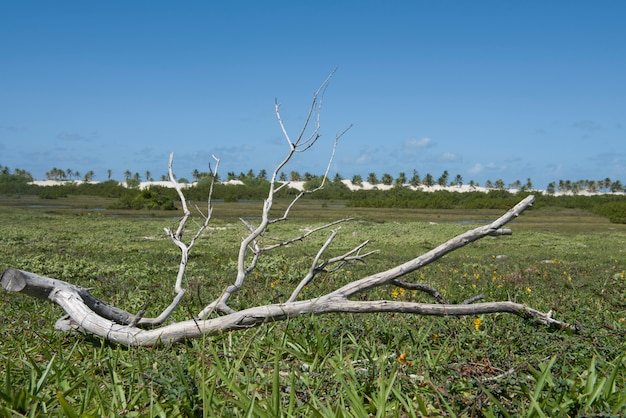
(421, 288)
(95, 316)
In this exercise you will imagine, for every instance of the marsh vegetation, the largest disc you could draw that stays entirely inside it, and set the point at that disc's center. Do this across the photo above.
(566, 260)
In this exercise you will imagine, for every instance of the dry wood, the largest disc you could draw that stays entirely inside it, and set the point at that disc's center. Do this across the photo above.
(92, 315)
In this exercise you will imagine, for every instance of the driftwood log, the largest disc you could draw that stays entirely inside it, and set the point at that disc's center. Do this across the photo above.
(92, 315)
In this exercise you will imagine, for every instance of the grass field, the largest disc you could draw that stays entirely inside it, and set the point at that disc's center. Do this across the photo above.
(567, 261)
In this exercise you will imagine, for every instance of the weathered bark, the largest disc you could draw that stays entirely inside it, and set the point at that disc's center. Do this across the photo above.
(70, 298)
(95, 316)
(86, 312)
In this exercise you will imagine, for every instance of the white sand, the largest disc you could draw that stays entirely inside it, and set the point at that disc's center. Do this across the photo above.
(299, 185)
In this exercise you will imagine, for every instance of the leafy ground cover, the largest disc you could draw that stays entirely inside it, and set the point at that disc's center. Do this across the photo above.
(565, 260)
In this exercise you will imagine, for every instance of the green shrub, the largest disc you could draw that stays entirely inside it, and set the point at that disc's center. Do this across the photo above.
(615, 211)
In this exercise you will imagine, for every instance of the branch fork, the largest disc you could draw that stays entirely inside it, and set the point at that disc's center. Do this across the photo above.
(92, 315)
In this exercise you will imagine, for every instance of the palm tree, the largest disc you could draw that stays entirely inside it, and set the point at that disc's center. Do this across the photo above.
(529, 184)
(357, 180)
(127, 174)
(23, 174)
(372, 179)
(294, 176)
(458, 180)
(415, 179)
(387, 179)
(89, 176)
(443, 180)
(592, 186)
(109, 172)
(428, 180)
(401, 179)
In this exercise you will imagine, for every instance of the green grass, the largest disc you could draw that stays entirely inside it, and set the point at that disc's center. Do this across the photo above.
(568, 261)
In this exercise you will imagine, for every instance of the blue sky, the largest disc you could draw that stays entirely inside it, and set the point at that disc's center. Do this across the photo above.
(484, 89)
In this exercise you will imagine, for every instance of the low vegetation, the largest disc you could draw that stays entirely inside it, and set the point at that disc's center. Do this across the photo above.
(610, 205)
(565, 259)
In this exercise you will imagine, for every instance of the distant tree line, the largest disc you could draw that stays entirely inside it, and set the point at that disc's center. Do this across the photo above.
(401, 180)
(255, 186)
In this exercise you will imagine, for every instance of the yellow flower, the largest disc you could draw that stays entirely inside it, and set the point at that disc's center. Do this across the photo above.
(395, 293)
(435, 337)
(403, 360)
(477, 323)
(528, 290)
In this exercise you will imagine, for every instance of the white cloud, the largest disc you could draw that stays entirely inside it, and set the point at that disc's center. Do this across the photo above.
(477, 169)
(449, 156)
(480, 168)
(413, 143)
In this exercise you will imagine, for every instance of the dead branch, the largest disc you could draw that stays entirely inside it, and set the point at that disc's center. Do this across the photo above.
(68, 297)
(92, 315)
